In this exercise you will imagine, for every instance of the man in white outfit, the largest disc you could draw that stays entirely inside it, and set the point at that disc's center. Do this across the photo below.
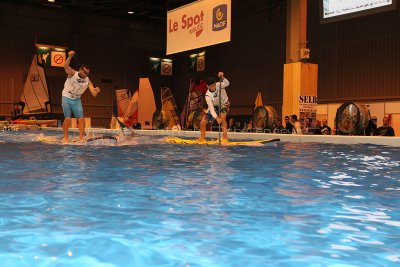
(76, 84)
(212, 99)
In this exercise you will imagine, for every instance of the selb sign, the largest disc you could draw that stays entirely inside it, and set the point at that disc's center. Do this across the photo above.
(199, 24)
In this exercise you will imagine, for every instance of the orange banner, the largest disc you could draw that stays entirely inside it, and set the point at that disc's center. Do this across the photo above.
(199, 24)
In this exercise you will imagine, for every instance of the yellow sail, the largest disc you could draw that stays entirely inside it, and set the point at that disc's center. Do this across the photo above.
(169, 107)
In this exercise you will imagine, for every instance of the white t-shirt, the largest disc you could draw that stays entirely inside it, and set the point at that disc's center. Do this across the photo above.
(212, 98)
(297, 128)
(75, 86)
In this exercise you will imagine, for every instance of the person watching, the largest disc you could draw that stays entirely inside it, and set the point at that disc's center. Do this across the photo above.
(325, 129)
(386, 129)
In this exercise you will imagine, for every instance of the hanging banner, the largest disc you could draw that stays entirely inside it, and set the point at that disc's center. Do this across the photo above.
(199, 24)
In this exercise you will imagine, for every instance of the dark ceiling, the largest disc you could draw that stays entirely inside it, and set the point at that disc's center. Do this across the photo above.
(155, 10)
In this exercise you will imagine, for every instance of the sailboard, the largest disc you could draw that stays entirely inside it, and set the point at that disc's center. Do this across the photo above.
(167, 117)
(35, 99)
(35, 95)
(146, 104)
(125, 108)
(168, 105)
(122, 99)
(182, 141)
(132, 110)
(48, 123)
(258, 102)
(195, 103)
(140, 106)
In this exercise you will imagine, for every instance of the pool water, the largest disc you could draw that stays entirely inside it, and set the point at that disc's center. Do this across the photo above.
(155, 204)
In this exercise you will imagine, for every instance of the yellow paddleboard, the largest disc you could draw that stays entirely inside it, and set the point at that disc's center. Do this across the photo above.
(182, 141)
(89, 140)
(49, 139)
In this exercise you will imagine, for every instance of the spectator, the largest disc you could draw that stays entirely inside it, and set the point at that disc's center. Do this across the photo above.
(371, 128)
(237, 126)
(249, 127)
(232, 125)
(136, 124)
(316, 128)
(278, 128)
(288, 125)
(296, 124)
(325, 129)
(308, 127)
(385, 130)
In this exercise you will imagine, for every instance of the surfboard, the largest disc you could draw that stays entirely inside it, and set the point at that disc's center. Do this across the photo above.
(182, 141)
(97, 140)
(49, 139)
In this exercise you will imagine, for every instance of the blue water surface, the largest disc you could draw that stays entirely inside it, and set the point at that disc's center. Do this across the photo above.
(150, 203)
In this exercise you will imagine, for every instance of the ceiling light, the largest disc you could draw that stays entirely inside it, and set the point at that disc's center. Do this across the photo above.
(130, 12)
(51, 1)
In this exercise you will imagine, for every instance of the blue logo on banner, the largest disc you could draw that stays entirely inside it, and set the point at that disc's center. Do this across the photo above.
(220, 17)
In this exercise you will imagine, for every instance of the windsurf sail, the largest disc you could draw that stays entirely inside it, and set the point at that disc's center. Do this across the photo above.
(146, 104)
(258, 101)
(195, 103)
(169, 108)
(132, 110)
(122, 99)
(125, 107)
(35, 95)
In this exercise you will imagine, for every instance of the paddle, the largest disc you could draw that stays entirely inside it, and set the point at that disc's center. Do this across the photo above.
(219, 112)
(187, 106)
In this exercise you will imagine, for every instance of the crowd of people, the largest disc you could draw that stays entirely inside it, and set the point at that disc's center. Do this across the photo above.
(292, 125)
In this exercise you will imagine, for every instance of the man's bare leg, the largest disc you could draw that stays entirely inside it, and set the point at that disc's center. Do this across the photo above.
(66, 125)
(224, 126)
(81, 127)
(203, 128)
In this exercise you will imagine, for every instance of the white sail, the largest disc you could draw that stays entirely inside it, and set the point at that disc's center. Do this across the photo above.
(35, 94)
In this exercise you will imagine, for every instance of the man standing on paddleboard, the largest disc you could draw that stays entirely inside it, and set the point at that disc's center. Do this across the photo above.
(216, 103)
(76, 84)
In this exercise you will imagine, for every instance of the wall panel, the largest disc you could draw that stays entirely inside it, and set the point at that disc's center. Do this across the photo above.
(358, 58)
(117, 52)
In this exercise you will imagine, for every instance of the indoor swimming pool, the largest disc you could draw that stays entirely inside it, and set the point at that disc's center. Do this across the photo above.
(149, 203)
